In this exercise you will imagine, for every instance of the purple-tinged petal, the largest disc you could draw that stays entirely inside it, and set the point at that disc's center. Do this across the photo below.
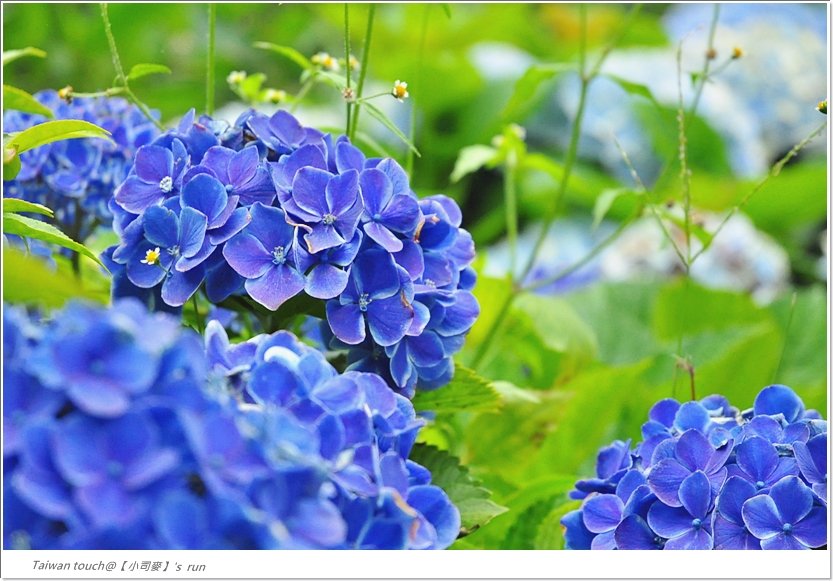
(422, 315)
(397, 176)
(286, 128)
(717, 479)
(604, 542)
(259, 188)
(322, 237)
(147, 275)
(153, 164)
(632, 480)
(795, 433)
(238, 220)
(669, 521)
(410, 258)
(326, 281)
(308, 190)
(693, 540)
(269, 226)
(217, 158)
(785, 467)
(812, 458)
(760, 515)
(665, 448)
(696, 494)
(276, 286)
(732, 536)
(383, 237)
(161, 227)
(576, 535)
(342, 192)
(346, 322)
(273, 383)
(602, 513)
(426, 349)
(665, 479)
(376, 192)
(765, 427)
(243, 165)
(247, 256)
(180, 286)
(389, 319)
(150, 468)
(782, 542)
(735, 492)
(348, 157)
(693, 449)
(136, 196)
(375, 274)
(633, 533)
(192, 225)
(812, 530)
(460, 317)
(401, 214)
(107, 504)
(613, 458)
(208, 195)
(283, 173)
(779, 399)
(186, 263)
(757, 457)
(792, 498)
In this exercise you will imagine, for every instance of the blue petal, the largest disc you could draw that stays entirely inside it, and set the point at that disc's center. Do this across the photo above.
(273, 383)
(279, 284)
(779, 399)
(792, 499)
(692, 416)
(348, 157)
(665, 479)
(322, 237)
(192, 226)
(604, 541)
(693, 540)
(696, 494)
(375, 274)
(397, 176)
(693, 449)
(383, 237)
(433, 503)
(346, 322)
(308, 191)
(243, 165)
(664, 411)
(757, 457)
(732, 536)
(389, 319)
(238, 220)
(207, 195)
(812, 530)
(633, 533)
(782, 542)
(180, 286)
(270, 227)
(602, 513)
(576, 535)
(325, 281)
(668, 521)
(401, 214)
(760, 515)
(153, 163)
(376, 192)
(247, 256)
(161, 227)
(812, 458)
(735, 492)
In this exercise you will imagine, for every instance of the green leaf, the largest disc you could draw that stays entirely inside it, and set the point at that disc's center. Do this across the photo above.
(19, 100)
(15, 205)
(55, 131)
(467, 392)
(250, 88)
(29, 280)
(606, 200)
(523, 98)
(471, 499)
(383, 119)
(446, 8)
(11, 163)
(23, 226)
(550, 535)
(288, 52)
(634, 89)
(509, 392)
(471, 159)
(524, 531)
(13, 55)
(145, 69)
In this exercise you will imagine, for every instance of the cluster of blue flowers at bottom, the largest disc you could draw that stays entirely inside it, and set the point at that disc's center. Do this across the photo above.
(76, 177)
(707, 476)
(119, 438)
(269, 209)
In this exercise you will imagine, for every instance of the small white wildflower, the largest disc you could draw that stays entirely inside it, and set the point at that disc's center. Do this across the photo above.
(400, 90)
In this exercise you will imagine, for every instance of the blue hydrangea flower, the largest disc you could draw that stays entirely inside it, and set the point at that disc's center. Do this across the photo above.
(786, 518)
(717, 477)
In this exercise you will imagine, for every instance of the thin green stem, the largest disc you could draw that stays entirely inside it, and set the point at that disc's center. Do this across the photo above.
(305, 88)
(121, 77)
(348, 103)
(773, 172)
(708, 58)
(363, 70)
(209, 72)
(510, 195)
(423, 35)
(685, 174)
(786, 337)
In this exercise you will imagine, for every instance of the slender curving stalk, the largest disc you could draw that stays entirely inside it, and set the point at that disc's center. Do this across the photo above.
(121, 77)
(510, 195)
(209, 72)
(362, 70)
(423, 35)
(348, 101)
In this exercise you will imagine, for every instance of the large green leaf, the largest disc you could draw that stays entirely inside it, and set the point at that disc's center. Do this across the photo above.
(467, 392)
(13, 55)
(50, 131)
(473, 501)
(15, 205)
(288, 52)
(29, 228)
(29, 280)
(19, 100)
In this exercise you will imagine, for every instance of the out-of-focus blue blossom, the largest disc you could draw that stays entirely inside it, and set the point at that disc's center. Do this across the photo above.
(740, 258)
(708, 475)
(76, 178)
(270, 209)
(135, 440)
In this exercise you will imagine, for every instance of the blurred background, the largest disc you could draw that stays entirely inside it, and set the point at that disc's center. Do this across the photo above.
(581, 360)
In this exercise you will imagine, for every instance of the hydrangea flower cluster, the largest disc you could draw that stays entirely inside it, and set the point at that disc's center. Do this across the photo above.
(708, 476)
(270, 209)
(115, 438)
(75, 178)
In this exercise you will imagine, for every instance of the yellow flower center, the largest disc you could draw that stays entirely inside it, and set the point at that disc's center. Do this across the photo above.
(151, 257)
